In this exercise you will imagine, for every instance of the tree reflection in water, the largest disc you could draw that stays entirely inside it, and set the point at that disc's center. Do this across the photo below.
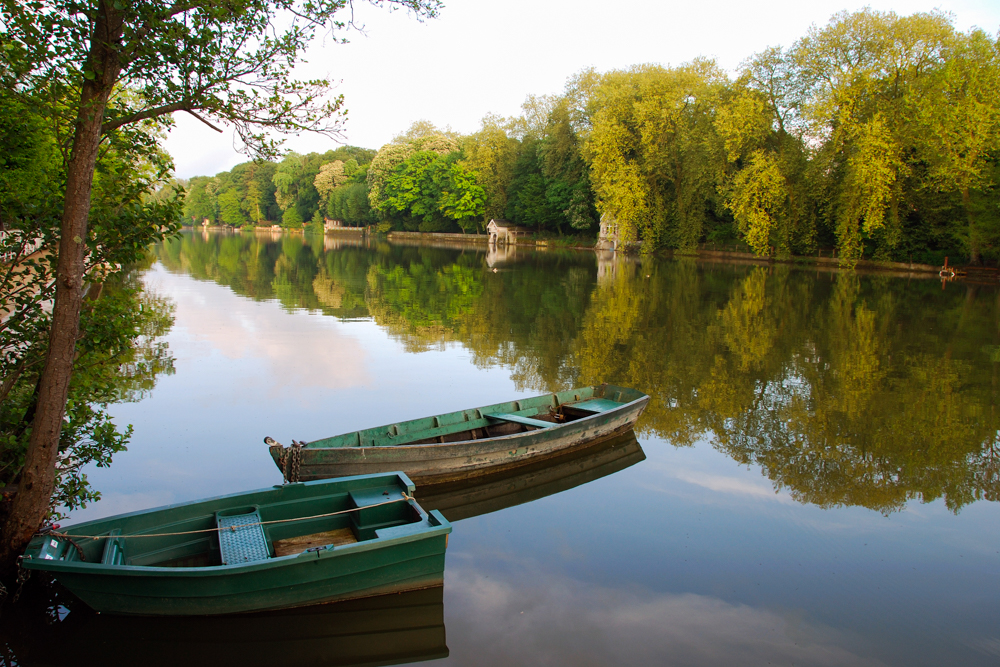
(844, 389)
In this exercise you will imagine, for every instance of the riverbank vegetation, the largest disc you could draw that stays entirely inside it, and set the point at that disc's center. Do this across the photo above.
(876, 135)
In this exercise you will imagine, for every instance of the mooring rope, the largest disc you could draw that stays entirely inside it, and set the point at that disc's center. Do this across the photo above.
(69, 537)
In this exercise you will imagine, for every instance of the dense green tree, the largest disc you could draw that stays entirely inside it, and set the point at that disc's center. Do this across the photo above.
(392, 155)
(568, 188)
(201, 203)
(230, 210)
(490, 154)
(655, 156)
(528, 203)
(433, 191)
(855, 76)
(766, 183)
(349, 204)
(330, 176)
(956, 128)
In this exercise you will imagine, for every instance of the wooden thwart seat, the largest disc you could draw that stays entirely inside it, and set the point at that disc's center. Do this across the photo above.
(595, 405)
(518, 419)
(296, 545)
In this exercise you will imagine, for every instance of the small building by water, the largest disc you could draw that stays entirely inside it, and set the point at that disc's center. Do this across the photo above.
(607, 239)
(502, 232)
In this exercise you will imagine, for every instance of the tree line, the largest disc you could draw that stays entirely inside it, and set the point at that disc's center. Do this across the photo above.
(875, 134)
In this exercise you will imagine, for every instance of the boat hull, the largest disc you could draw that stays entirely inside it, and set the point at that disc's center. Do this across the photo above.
(313, 578)
(436, 463)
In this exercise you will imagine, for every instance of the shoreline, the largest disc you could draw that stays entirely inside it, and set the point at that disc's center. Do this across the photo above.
(896, 269)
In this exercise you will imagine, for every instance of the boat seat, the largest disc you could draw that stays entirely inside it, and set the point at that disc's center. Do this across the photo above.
(595, 405)
(114, 549)
(518, 419)
(241, 537)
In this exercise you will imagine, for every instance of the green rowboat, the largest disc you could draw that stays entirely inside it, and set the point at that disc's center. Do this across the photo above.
(477, 441)
(287, 546)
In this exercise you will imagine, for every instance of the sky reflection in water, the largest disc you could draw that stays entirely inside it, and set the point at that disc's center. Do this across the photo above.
(741, 548)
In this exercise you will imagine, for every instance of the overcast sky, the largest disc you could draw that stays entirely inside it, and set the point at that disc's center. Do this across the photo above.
(481, 57)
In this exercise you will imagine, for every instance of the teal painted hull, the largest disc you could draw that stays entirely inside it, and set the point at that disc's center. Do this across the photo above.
(397, 546)
(468, 443)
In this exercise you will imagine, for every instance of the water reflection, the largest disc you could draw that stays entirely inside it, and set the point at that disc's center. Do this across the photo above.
(491, 493)
(558, 620)
(844, 389)
(384, 630)
(244, 330)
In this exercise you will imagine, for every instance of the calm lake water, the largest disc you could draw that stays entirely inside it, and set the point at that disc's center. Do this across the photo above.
(814, 481)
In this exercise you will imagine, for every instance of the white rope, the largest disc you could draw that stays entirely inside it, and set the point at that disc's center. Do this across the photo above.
(230, 528)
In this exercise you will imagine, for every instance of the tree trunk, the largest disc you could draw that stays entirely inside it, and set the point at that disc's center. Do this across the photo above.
(974, 256)
(30, 505)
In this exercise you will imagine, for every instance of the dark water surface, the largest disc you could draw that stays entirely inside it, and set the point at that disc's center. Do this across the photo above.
(814, 481)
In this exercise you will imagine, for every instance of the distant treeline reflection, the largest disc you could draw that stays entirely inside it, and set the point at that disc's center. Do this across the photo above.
(844, 389)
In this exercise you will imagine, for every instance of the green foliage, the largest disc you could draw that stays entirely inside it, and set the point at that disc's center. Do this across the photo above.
(433, 190)
(259, 192)
(291, 218)
(757, 198)
(392, 155)
(655, 155)
(349, 204)
(230, 209)
(527, 203)
(491, 154)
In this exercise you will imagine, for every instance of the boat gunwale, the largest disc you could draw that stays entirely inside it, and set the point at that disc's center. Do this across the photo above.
(410, 487)
(556, 426)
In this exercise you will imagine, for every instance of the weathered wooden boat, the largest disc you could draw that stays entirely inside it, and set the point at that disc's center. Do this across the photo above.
(471, 442)
(287, 546)
(493, 492)
(387, 629)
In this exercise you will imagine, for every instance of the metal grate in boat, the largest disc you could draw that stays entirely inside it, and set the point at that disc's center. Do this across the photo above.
(241, 538)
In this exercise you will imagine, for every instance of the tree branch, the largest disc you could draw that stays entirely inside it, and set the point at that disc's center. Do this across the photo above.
(219, 130)
(152, 112)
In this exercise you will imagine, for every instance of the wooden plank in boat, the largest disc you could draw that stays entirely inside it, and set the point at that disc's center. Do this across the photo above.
(518, 419)
(596, 405)
(296, 545)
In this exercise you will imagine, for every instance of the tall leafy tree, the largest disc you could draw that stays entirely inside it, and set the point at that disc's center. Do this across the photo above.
(434, 192)
(491, 153)
(956, 128)
(655, 156)
(393, 154)
(765, 185)
(855, 74)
